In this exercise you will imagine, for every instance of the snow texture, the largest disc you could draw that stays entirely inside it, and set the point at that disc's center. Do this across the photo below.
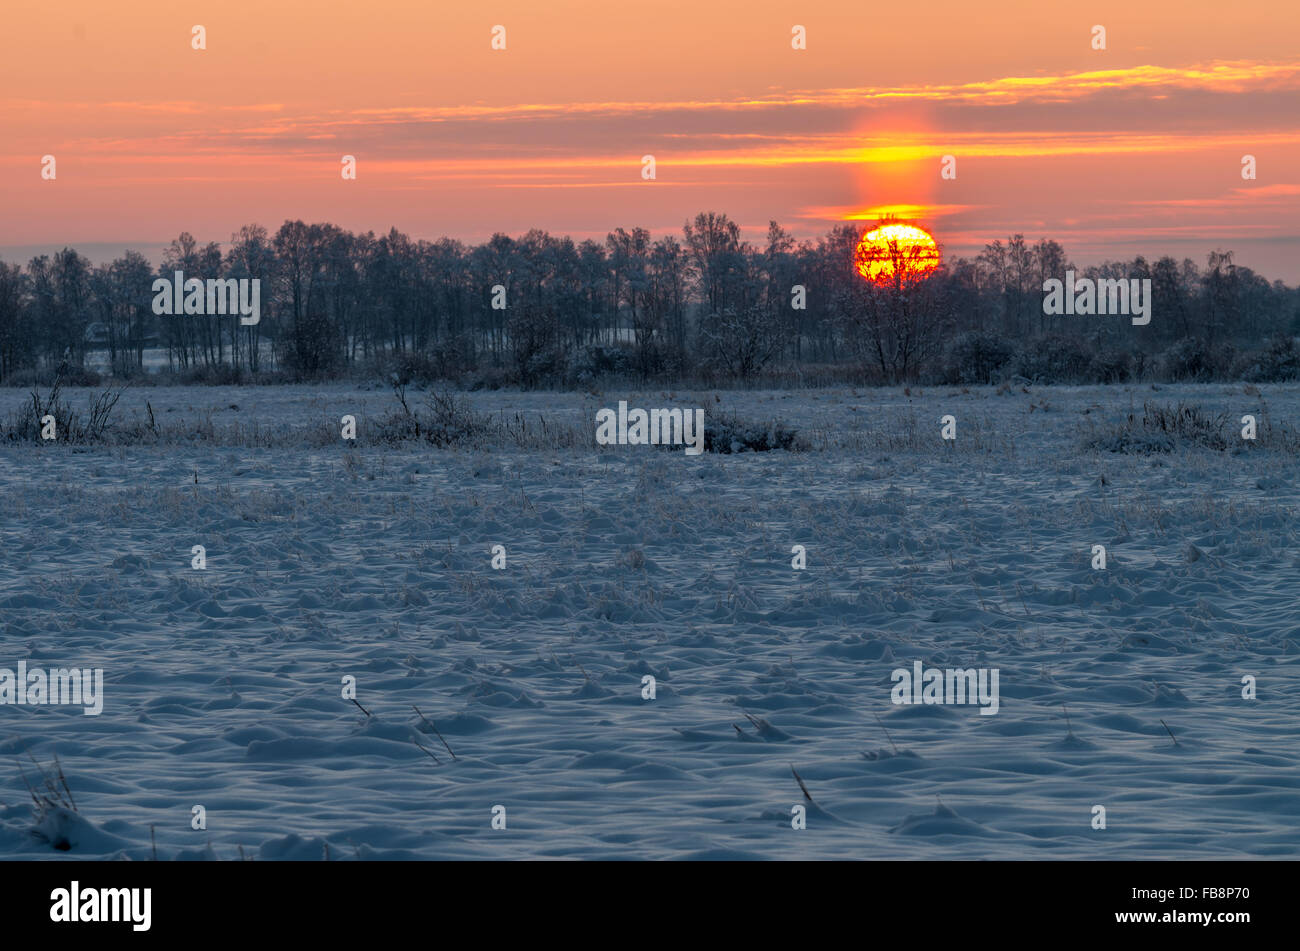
(223, 686)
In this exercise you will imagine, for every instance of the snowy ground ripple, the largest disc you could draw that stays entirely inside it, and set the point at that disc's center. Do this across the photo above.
(222, 686)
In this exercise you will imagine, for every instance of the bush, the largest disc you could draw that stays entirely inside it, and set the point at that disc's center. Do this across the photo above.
(70, 426)
(128, 371)
(223, 374)
(1278, 362)
(1055, 360)
(488, 378)
(80, 376)
(452, 421)
(445, 360)
(1112, 366)
(1162, 429)
(1191, 359)
(547, 367)
(599, 362)
(451, 358)
(976, 357)
(729, 434)
(447, 420)
(1141, 365)
(408, 367)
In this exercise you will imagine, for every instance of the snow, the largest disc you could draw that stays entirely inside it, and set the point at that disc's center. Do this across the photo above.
(222, 687)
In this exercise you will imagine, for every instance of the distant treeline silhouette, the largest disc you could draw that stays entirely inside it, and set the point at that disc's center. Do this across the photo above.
(708, 308)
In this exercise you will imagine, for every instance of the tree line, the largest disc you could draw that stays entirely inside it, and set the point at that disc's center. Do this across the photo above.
(707, 306)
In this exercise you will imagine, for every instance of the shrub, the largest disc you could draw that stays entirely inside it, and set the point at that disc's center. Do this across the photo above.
(547, 367)
(1191, 359)
(1162, 429)
(79, 376)
(1278, 362)
(222, 374)
(1055, 360)
(976, 357)
(729, 434)
(409, 367)
(69, 425)
(1112, 366)
(598, 362)
(452, 421)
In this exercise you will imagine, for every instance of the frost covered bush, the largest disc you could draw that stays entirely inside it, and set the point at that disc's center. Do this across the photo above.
(1112, 366)
(976, 357)
(1191, 359)
(409, 367)
(222, 374)
(1162, 429)
(1278, 362)
(979, 357)
(729, 434)
(444, 420)
(65, 374)
(549, 365)
(80, 376)
(452, 421)
(449, 359)
(1055, 360)
(599, 361)
(70, 426)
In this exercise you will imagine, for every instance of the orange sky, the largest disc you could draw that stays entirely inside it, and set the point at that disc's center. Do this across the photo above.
(1135, 149)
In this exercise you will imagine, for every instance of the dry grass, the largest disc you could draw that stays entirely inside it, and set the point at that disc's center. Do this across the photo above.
(1169, 427)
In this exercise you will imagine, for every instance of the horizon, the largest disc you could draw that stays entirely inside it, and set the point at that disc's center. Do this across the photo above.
(103, 253)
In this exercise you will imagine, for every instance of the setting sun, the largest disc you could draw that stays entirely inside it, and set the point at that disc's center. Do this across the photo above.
(893, 251)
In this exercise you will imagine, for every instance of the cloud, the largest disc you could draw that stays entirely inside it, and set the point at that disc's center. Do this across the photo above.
(1123, 151)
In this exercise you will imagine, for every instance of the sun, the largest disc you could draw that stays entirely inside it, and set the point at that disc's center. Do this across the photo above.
(895, 252)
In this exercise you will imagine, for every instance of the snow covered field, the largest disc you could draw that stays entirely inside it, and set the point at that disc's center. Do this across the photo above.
(222, 687)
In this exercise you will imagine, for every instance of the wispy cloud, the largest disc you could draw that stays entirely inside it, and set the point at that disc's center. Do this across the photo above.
(1136, 150)
(1239, 76)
